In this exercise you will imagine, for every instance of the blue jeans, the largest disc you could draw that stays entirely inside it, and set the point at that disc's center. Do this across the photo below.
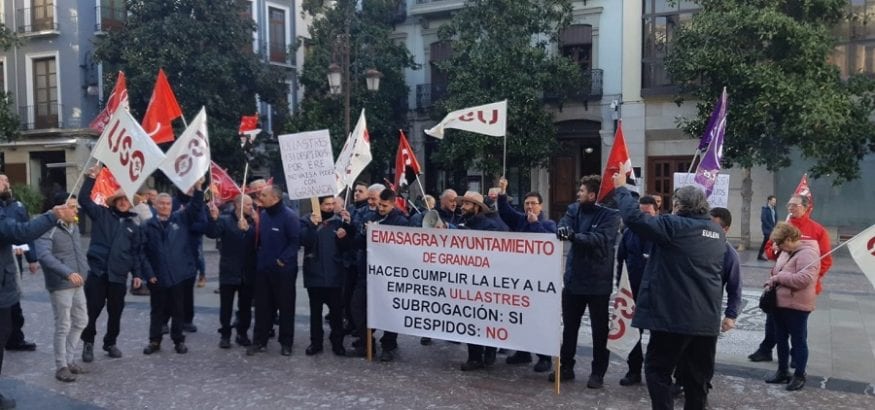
(792, 324)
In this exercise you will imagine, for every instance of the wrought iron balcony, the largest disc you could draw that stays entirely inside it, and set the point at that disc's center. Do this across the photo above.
(40, 116)
(428, 94)
(110, 18)
(590, 90)
(37, 19)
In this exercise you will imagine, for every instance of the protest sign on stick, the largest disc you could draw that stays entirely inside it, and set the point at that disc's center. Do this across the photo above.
(308, 164)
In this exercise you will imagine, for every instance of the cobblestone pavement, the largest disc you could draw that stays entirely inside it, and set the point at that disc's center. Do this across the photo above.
(841, 369)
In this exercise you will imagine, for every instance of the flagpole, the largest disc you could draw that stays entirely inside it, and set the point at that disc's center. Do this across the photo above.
(693, 162)
(79, 179)
(427, 206)
(504, 161)
(243, 187)
(346, 197)
(833, 250)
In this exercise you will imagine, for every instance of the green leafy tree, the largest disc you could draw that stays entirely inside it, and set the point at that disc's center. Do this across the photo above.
(9, 121)
(784, 94)
(370, 46)
(205, 48)
(502, 50)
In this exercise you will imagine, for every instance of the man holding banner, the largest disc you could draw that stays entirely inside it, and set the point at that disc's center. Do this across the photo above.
(592, 230)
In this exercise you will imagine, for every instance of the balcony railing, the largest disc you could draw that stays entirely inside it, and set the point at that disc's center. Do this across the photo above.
(428, 94)
(40, 116)
(36, 19)
(589, 91)
(110, 18)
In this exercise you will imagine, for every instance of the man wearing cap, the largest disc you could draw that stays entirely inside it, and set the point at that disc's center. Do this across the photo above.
(592, 230)
(116, 249)
(478, 216)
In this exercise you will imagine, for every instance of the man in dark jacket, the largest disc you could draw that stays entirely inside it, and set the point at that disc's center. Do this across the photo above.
(768, 220)
(592, 231)
(447, 210)
(681, 292)
(324, 238)
(170, 265)
(634, 252)
(532, 220)
(386, 214)
(116, 249)
(236, 266)
(478, 216)
(276, 270)
(15, 209)
(13, 232)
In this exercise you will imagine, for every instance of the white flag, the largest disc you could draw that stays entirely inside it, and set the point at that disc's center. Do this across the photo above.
(355, 155)
(489, 119)
(622, 337)
(127, 151)
(189, 157)
(862, 249)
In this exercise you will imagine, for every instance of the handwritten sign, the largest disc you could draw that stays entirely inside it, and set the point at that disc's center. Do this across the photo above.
(308, 164)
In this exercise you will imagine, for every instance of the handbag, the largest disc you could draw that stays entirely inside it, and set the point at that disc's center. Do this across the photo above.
(769, 300)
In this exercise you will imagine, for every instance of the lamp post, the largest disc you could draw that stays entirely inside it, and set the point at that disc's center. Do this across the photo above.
(339, 75)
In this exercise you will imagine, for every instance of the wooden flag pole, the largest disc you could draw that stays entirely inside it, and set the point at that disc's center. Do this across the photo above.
(79, 179)
(558, 374)
(504, 160)
(369, 344)
(693, 162)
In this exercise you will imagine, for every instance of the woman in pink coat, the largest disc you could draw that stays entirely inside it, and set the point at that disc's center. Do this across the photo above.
(795, 279)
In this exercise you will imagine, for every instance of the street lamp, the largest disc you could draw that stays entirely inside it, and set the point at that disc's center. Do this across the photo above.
(339, 77)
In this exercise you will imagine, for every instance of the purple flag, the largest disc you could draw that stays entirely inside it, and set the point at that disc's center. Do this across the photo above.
(709, 166)
(705, 140)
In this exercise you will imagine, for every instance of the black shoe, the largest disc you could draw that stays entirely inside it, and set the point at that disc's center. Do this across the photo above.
(425, 341)
(165, 329)
(254, 348)
(225, 343)
(6, 403)
(189, 328)
(595, 381)
(112, 351)
(543, 365)
(313, 349)
(760, 356)
(152, 347)
(796, 383)
(472, 365)
(780, 377)
(243, 340)
(286, 350)
(23, 346)
(519, 358)
(387, 355)
(566, 373)
(88, 352)
(630, 379)
(338, 349)
(489, 357)
(181, 348)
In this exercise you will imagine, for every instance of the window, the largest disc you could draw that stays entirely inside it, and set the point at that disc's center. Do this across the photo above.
(45, 93)
(112, 14)
(276, 20)
(660, 21)
(3, 76)
(660, 176)
(855, 49)
(575, 42)
(42, 14)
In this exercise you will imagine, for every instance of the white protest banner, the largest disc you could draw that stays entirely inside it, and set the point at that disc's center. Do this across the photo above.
(127, 151)
(719, 194)
(488, 119)
(189, 157)
(308, 164)
(622, 337)
(489, 288)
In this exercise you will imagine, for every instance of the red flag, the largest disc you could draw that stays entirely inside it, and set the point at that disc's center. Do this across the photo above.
(803, 190)
(405, 161)
(119, 97)
(104, 186)
(162, 110)
(618, 161)
(223, 186)
(248, 124)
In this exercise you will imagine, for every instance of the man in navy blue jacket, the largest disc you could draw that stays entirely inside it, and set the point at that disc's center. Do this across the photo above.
(16, 210)
(768, 220)
(592, 230)
(634, 252)
(532, 220)
(276, 270)
(170, 263)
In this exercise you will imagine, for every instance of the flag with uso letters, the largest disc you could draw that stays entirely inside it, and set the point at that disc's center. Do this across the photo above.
(127, 151)
(189, 157)
(622, 337)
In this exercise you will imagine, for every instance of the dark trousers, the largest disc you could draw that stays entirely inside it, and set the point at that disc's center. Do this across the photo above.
(164, 301)
(348, 288)
(5, 330)
(16, 337)
(768, 342)
(476, 353)
(792, 324)
(332, 297)
(188, 299)
(635, 360)
(226, 306)
(763, 245)
(573, 308)
(100, 292)
(359, 306)
(665, 351)
(275, 291)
